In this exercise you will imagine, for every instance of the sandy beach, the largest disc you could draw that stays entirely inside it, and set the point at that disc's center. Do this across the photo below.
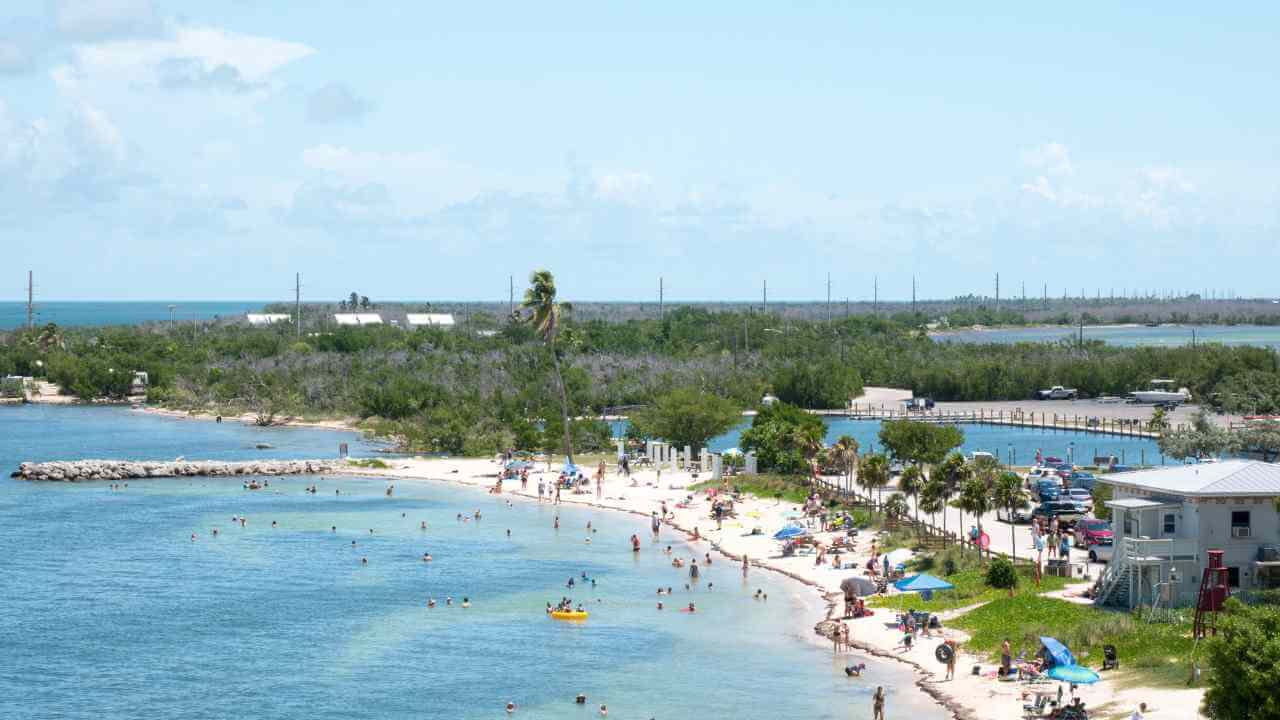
(967, 696)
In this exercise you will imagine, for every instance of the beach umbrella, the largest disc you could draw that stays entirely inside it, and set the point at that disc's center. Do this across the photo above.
(789, 532)
(1057, 652)
(569, 467)
(858, 586)
(1074, 674)
(518, 465)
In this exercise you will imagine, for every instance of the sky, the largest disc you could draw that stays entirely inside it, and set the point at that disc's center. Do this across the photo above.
(430, 151)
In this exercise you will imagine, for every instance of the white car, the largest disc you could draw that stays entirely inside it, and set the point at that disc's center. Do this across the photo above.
(1020, 515)
(1080, 497)
(1101, 552)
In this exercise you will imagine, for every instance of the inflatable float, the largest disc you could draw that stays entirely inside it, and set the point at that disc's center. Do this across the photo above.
(568, 615)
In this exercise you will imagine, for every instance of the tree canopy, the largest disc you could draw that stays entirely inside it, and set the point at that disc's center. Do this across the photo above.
(686, 416)
(1202, 439)
(784, 438)
(1245, 661)
(919, 442)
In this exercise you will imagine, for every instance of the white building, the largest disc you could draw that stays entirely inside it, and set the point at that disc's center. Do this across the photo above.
(429, 319)
(267, 318)
(357, 318)
(1166, 520)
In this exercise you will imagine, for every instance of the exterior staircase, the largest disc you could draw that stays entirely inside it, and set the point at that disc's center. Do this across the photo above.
(1113, 586)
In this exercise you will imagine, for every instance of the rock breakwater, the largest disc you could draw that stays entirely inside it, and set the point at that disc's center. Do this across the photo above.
(79, 470)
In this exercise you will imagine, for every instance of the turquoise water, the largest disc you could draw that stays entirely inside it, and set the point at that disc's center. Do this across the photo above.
(109, 610)
(14, 314)
(1082, 447)
(1126, 336)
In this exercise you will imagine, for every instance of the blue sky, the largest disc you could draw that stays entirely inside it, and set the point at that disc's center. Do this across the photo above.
(428, 150)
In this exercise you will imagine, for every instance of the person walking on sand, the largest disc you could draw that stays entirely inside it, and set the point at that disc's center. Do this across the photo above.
(952, 658)
(877, 704)
(542, 489)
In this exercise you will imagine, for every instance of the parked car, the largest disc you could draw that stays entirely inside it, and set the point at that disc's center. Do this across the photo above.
(1019, 515)
(1122, 468)
(1081, 479)
(1080, 497)
(1066, 511)
(1102, 550)
(1057, 392)
(1092, 530)
(1048, 489)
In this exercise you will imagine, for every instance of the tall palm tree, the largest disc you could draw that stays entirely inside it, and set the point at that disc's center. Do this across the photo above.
(910, 483)
(546, 315)
(873, 474)
(896, 506)
(1007, 492)
(845, 455)
(933, 499)
(975, 496)
(952, 472)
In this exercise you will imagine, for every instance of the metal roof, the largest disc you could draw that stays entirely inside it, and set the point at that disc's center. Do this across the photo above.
(1229, 477)
(429, 318)
(266, 318)
(358, 318)
(1136, 503)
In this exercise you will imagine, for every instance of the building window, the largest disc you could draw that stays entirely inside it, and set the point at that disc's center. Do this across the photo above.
(1233, 576)
(1170, 523)
(1240, 523)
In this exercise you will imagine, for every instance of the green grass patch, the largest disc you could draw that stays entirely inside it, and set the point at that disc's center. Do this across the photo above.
(1156, 652)
(373, 463)
(962, 569)
(788, 488)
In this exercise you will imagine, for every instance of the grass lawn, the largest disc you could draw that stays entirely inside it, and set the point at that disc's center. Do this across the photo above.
(1155, 653)
(789, 489)
(969, 578)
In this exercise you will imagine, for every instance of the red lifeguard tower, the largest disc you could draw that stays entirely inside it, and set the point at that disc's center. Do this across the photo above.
(1214, 591)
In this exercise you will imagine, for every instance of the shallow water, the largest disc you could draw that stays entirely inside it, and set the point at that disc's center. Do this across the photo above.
(1126, 335)
(108, 608)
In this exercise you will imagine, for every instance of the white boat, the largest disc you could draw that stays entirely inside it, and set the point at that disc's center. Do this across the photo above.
(1161, 393)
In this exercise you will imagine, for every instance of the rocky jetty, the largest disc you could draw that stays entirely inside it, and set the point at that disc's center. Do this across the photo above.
(78, 470)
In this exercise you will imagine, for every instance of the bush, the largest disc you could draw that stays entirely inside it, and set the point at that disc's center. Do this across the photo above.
(1001, 574)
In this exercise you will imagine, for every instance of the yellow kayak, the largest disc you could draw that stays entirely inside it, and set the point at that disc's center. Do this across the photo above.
(570, 615)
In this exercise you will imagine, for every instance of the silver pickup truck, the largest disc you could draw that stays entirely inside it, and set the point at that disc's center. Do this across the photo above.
(1057, 392)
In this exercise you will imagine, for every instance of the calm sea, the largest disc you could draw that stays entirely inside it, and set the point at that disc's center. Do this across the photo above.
(1015, 444)
(108, 609)
(1126, 336)
(14, 314)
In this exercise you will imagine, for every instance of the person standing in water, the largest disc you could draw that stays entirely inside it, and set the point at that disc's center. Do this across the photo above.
(635, 543)
(877, 704)
(693, 569)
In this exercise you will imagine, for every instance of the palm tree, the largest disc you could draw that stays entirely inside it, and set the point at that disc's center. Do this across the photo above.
(873, 473)
(1007, 492)
(546, 315)
(50, 338)
(933, 499)
(845, 455)
(952, 472)
(354, 301)
(911, 482)
(896, 506)
(975, 496)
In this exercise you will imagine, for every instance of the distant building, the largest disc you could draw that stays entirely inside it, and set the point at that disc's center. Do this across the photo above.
(357, 318)
(138, 386)
(267, 318)
(1166, 520)
(429, 319)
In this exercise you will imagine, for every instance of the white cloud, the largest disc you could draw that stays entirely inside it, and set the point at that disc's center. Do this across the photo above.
(95, 136)
(1040, 186)
(1052, 158)
(1169, 179)
(204, 52)
(99, 19)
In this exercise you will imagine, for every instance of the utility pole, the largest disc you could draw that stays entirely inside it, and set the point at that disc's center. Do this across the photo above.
(661, 310)
(172, 309)
(31, 294)
(511, 295)
(875, 294)
(1024, 293)
(913, 294)
(828, 298)
(297, 303)
(1046, 296)
(846, 307)
(764, 295)
(997, 293)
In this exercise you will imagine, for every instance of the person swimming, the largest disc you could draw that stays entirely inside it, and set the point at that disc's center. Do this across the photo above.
(448, 600)
(511, 707)
(364, 561)
(855, 670)
(431, 602)
(691, 608)
(466, 602)
(423, 525)
(426, 557)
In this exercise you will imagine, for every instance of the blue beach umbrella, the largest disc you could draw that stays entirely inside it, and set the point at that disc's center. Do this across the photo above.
(789, 532)
(1075, 674)
(518, 465)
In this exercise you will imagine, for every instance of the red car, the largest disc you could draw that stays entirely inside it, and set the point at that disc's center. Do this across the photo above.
(1092, 531)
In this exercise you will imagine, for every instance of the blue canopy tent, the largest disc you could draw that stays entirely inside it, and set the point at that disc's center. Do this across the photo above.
(924, 583)
(518, 465)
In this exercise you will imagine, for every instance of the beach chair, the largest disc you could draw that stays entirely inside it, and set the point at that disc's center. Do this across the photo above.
(1035, 709)
(1110, 659)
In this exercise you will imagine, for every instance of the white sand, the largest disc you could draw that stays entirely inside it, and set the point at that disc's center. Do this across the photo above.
(967, 695)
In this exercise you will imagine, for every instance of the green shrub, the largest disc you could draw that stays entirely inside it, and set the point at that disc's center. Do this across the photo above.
(1001, 574)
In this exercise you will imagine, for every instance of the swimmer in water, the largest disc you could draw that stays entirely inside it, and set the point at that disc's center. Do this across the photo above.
(431, 602)
(364, 561)
(692, 608)
(273, 524)
(466, 603)
(855, 670)
(193, 537)
(423, 526)
(603, 711)
(556, 525)
(215, 532)
(511, 707)
(508, 532)
(426, 557)
(353, 543)
(659, 604)
(333, 528)
(448, 600)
